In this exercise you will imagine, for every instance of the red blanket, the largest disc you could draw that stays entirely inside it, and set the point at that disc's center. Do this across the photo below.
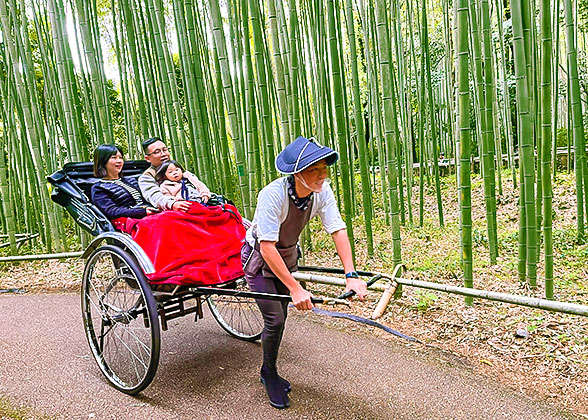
(200, 247)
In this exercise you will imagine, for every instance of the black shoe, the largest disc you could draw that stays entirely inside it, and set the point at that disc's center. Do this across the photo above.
(275, 390)
(285, 383)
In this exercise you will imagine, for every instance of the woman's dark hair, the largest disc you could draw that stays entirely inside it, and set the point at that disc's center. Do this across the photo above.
(101, 156)
(160, 174)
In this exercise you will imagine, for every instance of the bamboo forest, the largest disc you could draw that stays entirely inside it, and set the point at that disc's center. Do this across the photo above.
(413, 94)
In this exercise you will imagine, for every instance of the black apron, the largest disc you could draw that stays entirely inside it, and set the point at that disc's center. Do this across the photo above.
(290, 231)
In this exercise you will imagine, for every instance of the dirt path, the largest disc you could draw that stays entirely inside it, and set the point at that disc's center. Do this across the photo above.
(45, 364)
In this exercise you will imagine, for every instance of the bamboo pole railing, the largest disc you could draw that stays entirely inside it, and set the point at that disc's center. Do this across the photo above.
(40, 257)
(391, 282)
(388, 286)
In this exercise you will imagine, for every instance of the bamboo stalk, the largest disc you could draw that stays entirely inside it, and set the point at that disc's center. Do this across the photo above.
(389, 123)
(526, 141)
(360, 130)
(433, 125)
(462, 68)
(344, 163)
(219, 39)
(546, 121)
(577, 118)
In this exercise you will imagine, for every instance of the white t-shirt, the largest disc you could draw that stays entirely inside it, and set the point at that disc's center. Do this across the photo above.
(272, 210)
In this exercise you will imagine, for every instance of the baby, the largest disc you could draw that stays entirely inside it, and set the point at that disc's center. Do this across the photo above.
(182, 185)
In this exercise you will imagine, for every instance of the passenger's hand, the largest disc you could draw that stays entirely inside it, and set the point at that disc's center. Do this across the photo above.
(181, 206)
(358, 286)
(151, 210)
(301, 299)
(205, 198)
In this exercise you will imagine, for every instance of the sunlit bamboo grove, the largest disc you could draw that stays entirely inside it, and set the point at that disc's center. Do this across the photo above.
(396, 86)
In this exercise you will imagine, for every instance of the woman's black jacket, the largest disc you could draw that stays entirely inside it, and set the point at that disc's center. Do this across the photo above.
(115, 201)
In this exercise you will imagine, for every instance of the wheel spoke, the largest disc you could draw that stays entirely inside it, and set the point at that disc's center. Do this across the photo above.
(115, 296)
(126, 346)
(238, 316)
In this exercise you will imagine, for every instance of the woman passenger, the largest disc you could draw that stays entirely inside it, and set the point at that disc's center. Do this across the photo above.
(114, 195)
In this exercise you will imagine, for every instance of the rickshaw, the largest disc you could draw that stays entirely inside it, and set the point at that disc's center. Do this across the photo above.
(123, 315)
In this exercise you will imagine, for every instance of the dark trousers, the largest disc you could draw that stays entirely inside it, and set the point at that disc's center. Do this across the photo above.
(274, 314)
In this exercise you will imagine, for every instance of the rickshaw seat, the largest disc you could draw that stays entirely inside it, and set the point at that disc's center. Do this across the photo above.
(72, 190)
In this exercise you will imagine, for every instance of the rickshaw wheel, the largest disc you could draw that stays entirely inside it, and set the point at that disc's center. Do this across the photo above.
(120, 319)
(239, 316)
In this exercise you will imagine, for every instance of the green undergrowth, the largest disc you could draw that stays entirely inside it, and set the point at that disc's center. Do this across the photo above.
(433, 253)
(10, 412)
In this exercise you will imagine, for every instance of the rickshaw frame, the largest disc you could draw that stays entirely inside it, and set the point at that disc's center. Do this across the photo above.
(122, 313)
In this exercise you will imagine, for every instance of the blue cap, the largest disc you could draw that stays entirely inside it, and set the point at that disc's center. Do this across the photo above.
(302, 153)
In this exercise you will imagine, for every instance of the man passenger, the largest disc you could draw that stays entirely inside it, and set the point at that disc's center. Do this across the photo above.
(156, 152)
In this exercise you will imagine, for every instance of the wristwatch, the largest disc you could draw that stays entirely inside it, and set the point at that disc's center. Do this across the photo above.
(352, 274)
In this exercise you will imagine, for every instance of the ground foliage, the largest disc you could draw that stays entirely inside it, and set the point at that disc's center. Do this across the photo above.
(9, 412)
(550, 363)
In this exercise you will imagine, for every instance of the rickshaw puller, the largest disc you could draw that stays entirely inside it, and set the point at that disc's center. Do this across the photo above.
(270, 253)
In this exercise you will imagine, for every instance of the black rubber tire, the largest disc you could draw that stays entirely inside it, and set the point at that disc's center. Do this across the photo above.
(120, 319)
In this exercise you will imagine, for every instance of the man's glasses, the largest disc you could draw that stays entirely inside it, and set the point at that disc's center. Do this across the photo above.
(158, 151)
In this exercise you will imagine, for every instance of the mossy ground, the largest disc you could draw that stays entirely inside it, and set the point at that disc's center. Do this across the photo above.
(9, 412)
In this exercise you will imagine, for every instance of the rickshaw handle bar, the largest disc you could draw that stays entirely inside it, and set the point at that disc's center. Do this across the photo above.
(254, 295)
(374, 276)
(350, 293)
(272, 296)
(332, 270)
